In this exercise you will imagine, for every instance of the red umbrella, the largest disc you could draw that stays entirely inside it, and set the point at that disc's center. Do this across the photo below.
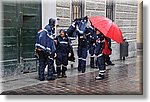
(107, 27)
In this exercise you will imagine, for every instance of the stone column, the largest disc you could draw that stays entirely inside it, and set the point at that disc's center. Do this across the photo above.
(48, 11)
(140, 25)
(1, 40)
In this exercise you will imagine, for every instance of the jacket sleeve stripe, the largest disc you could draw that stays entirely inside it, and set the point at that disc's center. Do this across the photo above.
(50, 36)
(41, 46)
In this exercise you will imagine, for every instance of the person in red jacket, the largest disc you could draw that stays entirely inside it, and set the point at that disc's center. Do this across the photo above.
(108, 51)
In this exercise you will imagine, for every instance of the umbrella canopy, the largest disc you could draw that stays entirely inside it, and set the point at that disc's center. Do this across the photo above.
(107, 27)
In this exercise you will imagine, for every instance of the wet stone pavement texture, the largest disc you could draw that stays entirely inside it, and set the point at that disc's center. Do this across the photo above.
(125, 78)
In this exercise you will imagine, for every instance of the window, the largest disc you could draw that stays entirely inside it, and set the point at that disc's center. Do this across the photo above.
(110, 12)
(110, 4)
(77, 9)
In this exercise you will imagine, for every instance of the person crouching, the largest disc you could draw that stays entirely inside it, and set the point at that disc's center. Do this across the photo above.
(63, 51)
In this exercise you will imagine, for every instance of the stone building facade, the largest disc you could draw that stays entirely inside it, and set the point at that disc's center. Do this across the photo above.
(126, 18)
(122, 12)
(124, 15)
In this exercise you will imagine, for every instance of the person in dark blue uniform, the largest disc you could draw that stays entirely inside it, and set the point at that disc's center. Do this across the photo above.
(82, 44)
(92, 47)
(100, 56)
(82, 53)
(45, 48)
(91, 37)
(63, 51)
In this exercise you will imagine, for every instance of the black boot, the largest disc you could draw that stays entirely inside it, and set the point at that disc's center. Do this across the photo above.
(54, 71)
(100, 77)
(59, 72)
(92, 62)
(51, 78)
(107, 59)
(64, 69)
(50, 75)
(64, 74)
(83, 69)
(79, 68)
(110, 63)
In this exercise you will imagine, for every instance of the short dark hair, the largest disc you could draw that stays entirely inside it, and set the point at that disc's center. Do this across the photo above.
(97, 29)
(62, 30)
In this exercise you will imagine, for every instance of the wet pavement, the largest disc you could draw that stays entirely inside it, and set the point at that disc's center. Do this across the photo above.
(125, 78)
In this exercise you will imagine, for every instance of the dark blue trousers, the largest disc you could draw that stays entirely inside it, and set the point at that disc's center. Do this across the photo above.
(82, 54)
(43, 61)
(62, 59)
(91, 52)
(101, 64)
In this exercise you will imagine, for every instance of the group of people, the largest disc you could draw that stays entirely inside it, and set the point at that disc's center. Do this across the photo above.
(48, 47)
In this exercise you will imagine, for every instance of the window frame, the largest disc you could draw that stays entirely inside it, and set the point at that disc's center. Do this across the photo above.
(79, 5)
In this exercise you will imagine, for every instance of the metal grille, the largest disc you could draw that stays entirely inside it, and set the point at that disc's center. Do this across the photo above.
(110, 9)
(77, 9)
(77, 12)
(110, 12)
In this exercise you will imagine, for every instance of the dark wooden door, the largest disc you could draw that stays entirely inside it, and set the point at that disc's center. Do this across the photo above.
(30, 18)
(21, 23)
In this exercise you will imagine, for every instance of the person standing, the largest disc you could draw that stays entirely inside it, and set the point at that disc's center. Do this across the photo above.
(45, 48)
(107, 56)
(63, 51)
(82, 53)
(91, 38)
(100, 55)
(82, 44)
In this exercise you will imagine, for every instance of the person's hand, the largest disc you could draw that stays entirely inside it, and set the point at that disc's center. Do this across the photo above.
(69, 54)
(55, 55)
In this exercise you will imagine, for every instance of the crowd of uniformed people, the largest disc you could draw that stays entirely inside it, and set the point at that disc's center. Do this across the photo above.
(50, 48)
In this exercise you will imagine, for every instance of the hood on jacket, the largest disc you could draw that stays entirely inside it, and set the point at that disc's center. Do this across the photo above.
(52, 22)
(48, 28)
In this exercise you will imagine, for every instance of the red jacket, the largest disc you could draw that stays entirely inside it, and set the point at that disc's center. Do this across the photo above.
(107, 49)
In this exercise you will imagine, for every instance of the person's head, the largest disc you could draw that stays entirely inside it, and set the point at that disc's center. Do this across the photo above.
(62, 33)
(97, 31)
(52, 22)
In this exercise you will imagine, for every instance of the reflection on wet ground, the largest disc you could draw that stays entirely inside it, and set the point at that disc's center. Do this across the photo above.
(123, 78)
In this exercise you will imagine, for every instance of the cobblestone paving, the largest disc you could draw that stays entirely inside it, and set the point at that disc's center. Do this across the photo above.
(121, 80)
